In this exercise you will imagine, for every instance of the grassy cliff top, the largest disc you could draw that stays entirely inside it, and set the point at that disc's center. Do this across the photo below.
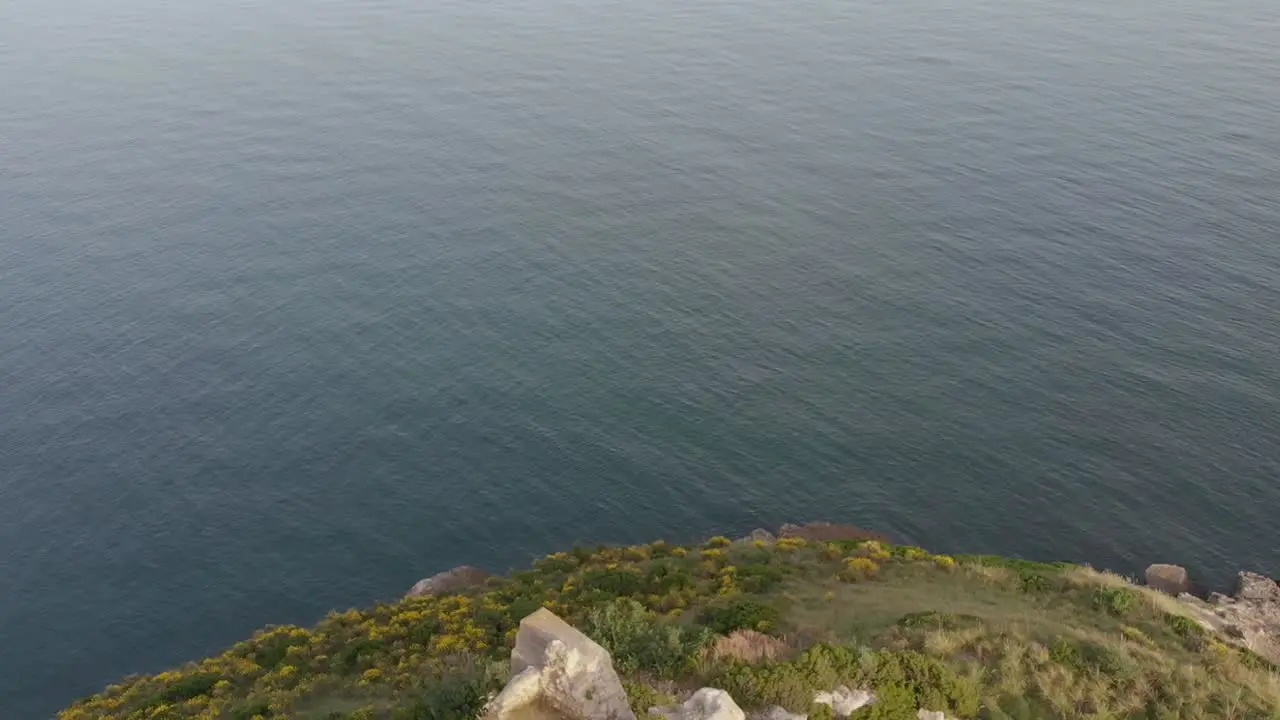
(771, 622)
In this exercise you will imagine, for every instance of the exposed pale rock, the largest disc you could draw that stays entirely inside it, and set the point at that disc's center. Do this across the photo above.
(1250, 619)
(760, 535)
(826, 532)
(1171, 579)
(449, 581)
(843, 700)
(705, 704)
(931, 715)
(1258, 588)
(559, 672)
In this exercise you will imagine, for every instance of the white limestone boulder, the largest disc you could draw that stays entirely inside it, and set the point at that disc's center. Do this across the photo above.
(705, 704)
(557, 672)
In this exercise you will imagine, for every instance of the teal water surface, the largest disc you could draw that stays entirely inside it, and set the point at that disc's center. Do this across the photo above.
(302, 300)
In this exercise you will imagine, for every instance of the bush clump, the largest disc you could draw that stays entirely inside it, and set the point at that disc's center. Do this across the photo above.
(450, 699)
(1115, 600)
(919, 680)
(638, 640)
(741, 614)
(790, 684)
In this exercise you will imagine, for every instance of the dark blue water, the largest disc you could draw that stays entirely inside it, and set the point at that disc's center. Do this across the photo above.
(302, 300)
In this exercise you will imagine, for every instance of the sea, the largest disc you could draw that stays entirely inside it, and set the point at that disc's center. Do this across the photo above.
(304, 300)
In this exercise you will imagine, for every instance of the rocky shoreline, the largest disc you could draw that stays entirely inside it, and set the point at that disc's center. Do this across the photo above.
(1249, 618)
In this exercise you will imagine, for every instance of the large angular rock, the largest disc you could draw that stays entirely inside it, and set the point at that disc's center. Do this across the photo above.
(557, 672)
(449, 581)
(843, 700)
(706, 704)
(931, 715)
(1171, 579)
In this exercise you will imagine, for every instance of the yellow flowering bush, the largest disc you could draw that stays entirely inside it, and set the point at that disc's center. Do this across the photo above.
(874, 550)
(859, 568)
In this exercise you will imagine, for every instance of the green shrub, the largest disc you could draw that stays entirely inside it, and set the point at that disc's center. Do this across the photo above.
(1184, 626)
(612, 583)
(666, 575)
(189, 687)
(931, 683)
(1065, 653)
(360, 654)
(453, 698)
(1033, 582)
(1193, 635)
(1117, 601)
(759, 578)
(269, 647)
(642, 697)
(789, 684)
(893, 702)
(740, 614)
(638, 640)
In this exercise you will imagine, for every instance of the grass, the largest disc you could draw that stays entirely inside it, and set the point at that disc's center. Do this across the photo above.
(975, 636)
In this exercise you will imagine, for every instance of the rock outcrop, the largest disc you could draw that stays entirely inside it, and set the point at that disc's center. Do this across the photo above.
(449, 581)
(557, 672)
(931, 715)
(843, 700)
(1171, 579)
(705, 704)
(1257, 589)
(759, 535)
(1251, 618)
(826, 532)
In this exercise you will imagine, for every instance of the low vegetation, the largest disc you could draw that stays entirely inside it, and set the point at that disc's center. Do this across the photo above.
(771, 622)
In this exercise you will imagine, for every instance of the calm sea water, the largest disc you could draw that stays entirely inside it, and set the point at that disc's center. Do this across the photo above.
(302, 300)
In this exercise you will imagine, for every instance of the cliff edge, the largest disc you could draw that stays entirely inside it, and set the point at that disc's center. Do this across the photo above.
(816, 621)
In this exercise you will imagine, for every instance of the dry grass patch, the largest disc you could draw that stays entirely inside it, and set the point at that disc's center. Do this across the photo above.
(748, 646)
